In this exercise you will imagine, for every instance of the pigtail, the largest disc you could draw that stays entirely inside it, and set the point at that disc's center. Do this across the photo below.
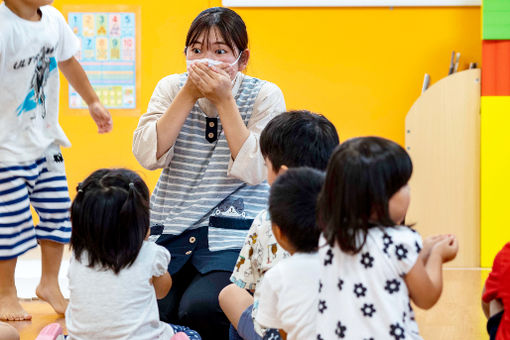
(134, 215)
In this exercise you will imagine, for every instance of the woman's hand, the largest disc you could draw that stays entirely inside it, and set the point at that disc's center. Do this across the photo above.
(213, 82)
(191, 90)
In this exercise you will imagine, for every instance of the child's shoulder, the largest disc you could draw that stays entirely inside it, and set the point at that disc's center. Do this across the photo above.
(153, 255)
(53, 14)
(398, 232)
(261, 222)
(503, 256)
(399, 242)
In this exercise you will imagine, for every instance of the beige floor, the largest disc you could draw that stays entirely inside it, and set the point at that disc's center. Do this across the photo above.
(457, 316)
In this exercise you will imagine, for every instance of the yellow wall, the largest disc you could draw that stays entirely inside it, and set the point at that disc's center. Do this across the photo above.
(495, 162)
(361, 67)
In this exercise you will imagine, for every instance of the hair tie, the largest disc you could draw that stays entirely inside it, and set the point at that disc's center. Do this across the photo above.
(131, 185)
(78, 187)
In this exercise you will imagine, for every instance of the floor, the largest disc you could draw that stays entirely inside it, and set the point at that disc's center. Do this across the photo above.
(457, 315)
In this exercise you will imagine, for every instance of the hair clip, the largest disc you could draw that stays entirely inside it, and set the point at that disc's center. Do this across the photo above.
(131, 185)
(78, 187)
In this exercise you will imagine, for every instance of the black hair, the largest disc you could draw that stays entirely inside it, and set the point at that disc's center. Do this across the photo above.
(110, 218)
(298, 138)
(292, 205)
(231, 26)
(362, 175)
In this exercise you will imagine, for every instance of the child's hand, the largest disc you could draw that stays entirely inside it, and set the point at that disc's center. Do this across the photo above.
(213, 82)
(428, 244)
(447, 248)
(101, 117)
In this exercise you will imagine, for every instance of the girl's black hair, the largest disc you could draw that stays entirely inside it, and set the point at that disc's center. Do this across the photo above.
(110, 218)
(362, 175)
(231, 26)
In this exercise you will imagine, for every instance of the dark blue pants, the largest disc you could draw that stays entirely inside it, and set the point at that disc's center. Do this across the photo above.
(193, 302)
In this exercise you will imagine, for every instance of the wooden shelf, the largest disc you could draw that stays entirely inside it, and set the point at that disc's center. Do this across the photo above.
(443, 140)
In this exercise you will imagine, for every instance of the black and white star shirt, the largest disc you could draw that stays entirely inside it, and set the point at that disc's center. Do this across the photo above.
(364, 296)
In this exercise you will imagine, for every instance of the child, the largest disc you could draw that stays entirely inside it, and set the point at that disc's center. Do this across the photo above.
(292, 139)
(115, 275)
(496, 296)
(34, 39)
(288, 292)
(203, 128)
(7, 332)
(371, 264)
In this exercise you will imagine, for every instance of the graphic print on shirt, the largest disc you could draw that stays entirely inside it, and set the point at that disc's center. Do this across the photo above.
(45, 64)
(231, 208)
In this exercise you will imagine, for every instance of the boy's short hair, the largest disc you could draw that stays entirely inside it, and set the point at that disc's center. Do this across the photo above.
(298, 138)
(292, 203)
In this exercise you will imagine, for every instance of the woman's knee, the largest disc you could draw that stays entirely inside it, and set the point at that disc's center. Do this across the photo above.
(197, 307)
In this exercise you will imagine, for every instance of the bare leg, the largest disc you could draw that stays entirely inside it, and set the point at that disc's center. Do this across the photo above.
(234, 301)
(10, 308)
(49, 289)
(7, 332)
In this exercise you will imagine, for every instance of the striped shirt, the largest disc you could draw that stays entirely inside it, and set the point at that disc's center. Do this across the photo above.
(199, 175)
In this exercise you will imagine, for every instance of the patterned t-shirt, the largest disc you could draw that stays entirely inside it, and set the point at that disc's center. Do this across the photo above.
(260, 253)
(364, 296)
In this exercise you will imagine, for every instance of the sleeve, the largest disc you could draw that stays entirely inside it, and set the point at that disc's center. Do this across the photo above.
(69, 44)
(145, 137)
(267, 314)
(249, 163)
(246, 271)
(2, 58)
(405, 248)
(161, 260)
(493, 283)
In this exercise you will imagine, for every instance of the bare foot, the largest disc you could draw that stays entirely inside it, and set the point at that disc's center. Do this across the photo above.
(11, 310)
(53, 296)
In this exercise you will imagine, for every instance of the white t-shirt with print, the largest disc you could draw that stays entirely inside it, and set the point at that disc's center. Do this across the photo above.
(364, 296)
(288, 296)
(29, 82)
(104, 305)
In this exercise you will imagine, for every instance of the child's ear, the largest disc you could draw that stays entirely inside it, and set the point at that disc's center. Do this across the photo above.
(281, 238)
(282, 169)
(276, 232)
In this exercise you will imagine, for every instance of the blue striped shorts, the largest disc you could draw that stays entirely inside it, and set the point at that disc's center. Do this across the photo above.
(43, 185)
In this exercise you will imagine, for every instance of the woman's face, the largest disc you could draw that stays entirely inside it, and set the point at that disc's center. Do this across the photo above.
(217, 49)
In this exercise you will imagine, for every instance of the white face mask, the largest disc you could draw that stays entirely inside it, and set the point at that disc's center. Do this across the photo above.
(210, 62)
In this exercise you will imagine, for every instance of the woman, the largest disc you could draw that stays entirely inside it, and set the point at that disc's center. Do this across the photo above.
(203, 128)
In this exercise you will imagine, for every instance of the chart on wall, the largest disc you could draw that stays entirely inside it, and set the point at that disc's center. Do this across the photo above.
(108, 56)
(348, 3)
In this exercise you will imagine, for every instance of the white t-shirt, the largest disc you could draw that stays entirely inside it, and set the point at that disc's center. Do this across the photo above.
(364, 296)
(29, 82)
(103, 305)
(288, 296)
